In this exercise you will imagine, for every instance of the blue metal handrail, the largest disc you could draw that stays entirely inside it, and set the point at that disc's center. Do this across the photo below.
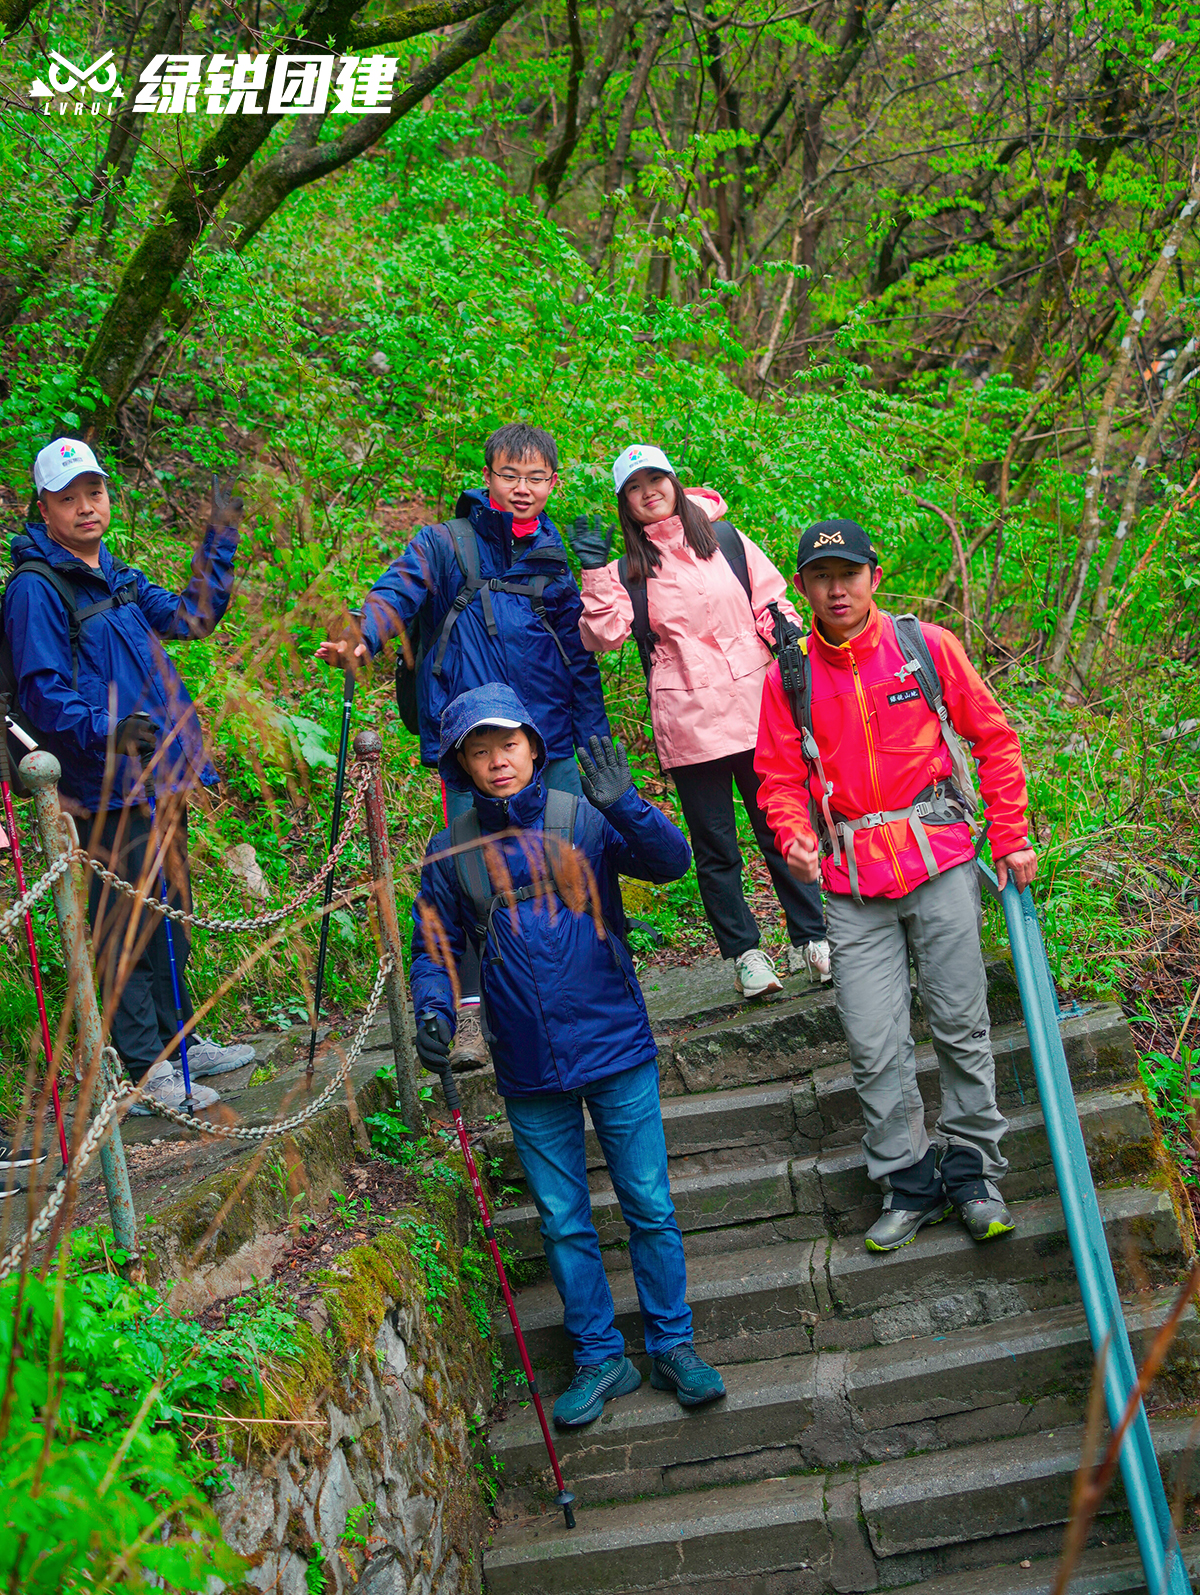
(1162, 1560)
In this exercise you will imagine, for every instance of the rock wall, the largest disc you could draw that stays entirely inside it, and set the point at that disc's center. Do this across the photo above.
(372, 1483)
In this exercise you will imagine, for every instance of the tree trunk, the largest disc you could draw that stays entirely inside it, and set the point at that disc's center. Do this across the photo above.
(656, 32)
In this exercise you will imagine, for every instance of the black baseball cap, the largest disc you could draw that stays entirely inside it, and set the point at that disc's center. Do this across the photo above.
(842, 539)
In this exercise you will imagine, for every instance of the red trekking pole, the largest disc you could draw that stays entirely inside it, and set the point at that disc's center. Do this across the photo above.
(14, 842)
(564, 1498)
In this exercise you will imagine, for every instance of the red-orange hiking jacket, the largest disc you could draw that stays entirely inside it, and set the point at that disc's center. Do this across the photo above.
(880, 746)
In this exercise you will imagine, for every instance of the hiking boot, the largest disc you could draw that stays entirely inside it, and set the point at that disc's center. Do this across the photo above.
(470, 1049)
(164, 1086)
(755, 975)
(811, 960)
(896, 1226)
(207, 1057)
(688, 1375)
(14, 1157)
(583, 1400)
(986, 1218)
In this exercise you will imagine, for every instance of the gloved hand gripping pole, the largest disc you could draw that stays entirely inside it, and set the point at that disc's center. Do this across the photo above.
(564, 1499)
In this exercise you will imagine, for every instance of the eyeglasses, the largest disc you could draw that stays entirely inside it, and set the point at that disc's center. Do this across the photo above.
(511, 479)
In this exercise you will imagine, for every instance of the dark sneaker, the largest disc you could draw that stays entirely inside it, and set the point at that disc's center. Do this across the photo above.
(583, 1399)
(986, 1219)
(689, 1376)
(13, 1157)
(896, 1226)
(470, 1049)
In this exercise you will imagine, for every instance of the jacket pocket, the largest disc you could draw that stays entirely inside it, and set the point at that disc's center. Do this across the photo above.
(902, 722)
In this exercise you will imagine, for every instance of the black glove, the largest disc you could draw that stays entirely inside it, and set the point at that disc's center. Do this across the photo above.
(605, 775)
(226, 510)
(592, 543)
(136, 735)
(434, 1036)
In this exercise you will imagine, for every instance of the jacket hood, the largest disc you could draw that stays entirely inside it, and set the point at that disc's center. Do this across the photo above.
(709, 500)
(493, 700)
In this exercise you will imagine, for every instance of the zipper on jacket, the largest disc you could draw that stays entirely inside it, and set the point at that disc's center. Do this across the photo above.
(874, 768)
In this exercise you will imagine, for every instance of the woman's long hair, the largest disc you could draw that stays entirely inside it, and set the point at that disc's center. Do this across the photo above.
(642, 559)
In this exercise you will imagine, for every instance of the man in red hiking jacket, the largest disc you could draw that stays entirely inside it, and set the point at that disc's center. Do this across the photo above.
(896, 858)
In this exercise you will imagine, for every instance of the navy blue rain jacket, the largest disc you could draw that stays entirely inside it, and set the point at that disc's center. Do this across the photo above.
(565, 698)
(563, 1007)
(117, 649)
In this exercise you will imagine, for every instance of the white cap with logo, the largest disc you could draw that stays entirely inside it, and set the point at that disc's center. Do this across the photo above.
(61, 462)
(494, 720)
(641, 457)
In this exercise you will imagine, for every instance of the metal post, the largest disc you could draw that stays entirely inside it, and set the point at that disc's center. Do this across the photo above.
(40, 772)
(368, 748)
(1162, 1560)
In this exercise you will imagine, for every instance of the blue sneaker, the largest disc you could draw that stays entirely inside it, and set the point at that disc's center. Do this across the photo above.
(689, 1376)
(583, 1399)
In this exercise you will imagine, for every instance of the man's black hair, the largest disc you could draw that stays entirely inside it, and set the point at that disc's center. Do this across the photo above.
(518, 442)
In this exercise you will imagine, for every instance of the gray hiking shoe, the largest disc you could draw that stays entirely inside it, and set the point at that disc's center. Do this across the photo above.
(470, 1049)
(986, 1219)
(205, 1057)
(163, 1085)
(896, 1226)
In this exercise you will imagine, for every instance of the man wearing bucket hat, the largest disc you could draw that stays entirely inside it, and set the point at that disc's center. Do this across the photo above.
(82, 639)
(860, 727)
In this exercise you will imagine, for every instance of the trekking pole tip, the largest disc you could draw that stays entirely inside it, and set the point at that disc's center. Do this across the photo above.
(566, 1500)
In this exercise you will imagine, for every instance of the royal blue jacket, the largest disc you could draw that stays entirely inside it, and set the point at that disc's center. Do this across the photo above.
(564, 697)
(562, 1004)
(117, 649)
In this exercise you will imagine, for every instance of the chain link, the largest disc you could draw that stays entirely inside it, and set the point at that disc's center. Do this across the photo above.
(261, 1132)
(16, 911)
(184, 917)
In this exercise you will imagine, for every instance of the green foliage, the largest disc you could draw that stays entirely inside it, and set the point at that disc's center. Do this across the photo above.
(100, 1484)
(1174, 1086)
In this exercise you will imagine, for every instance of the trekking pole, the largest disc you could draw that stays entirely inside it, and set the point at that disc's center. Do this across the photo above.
(339, 786)
(564, 1498)
(176, 989)
(14, 842)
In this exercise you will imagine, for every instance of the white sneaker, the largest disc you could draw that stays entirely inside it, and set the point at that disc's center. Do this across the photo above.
(812, 960)
(163, 1085)
(206, 1056)
(756, 975)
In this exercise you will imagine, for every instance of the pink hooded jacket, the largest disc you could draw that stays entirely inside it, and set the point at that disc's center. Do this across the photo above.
(711, 658)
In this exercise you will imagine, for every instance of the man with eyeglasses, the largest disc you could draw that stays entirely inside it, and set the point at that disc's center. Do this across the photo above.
(488, 596)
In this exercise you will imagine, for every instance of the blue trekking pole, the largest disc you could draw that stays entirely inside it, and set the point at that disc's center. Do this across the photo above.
(176, 989)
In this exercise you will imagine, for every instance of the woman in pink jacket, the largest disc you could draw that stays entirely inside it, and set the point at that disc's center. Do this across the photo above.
(709, 658)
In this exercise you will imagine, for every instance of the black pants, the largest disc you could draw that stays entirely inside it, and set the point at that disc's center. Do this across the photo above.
(144, 1019)
(706, 793)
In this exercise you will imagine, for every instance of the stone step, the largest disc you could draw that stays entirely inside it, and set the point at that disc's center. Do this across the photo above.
(1106, 1570)
(737, 1185)
(780, 1300)
(817, 1410)
(801, 1532)
(808, 1115)
(782, 1037)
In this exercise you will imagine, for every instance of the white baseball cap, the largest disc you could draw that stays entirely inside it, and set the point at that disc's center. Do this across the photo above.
(489, 720)
(640, 457)
(61, 462)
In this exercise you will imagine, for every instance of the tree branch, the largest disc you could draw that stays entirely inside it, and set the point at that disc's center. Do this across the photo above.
(411, 22)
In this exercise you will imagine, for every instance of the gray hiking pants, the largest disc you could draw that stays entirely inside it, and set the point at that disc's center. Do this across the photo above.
(938, 925)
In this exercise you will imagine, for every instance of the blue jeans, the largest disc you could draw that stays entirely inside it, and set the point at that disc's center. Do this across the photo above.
(548, 1131)
(563, 776)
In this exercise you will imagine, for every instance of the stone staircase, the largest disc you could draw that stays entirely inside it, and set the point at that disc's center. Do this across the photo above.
(914, 1419)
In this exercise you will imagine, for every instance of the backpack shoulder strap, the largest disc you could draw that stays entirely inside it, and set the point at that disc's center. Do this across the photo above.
(730, 543)
(918, 660)
(466, 555)
(63, 586)
(642, 634)
(559, 818)
(470, 868)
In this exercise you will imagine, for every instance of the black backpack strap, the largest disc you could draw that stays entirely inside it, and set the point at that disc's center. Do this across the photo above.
(558, 820)
(730, 543)
(66, 590)
(466, 554)
(471, 868)
(918, 661)
(642, 634)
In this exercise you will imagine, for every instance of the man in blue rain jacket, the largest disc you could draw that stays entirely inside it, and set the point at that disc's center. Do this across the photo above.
(94, 687)
(565, 1017)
